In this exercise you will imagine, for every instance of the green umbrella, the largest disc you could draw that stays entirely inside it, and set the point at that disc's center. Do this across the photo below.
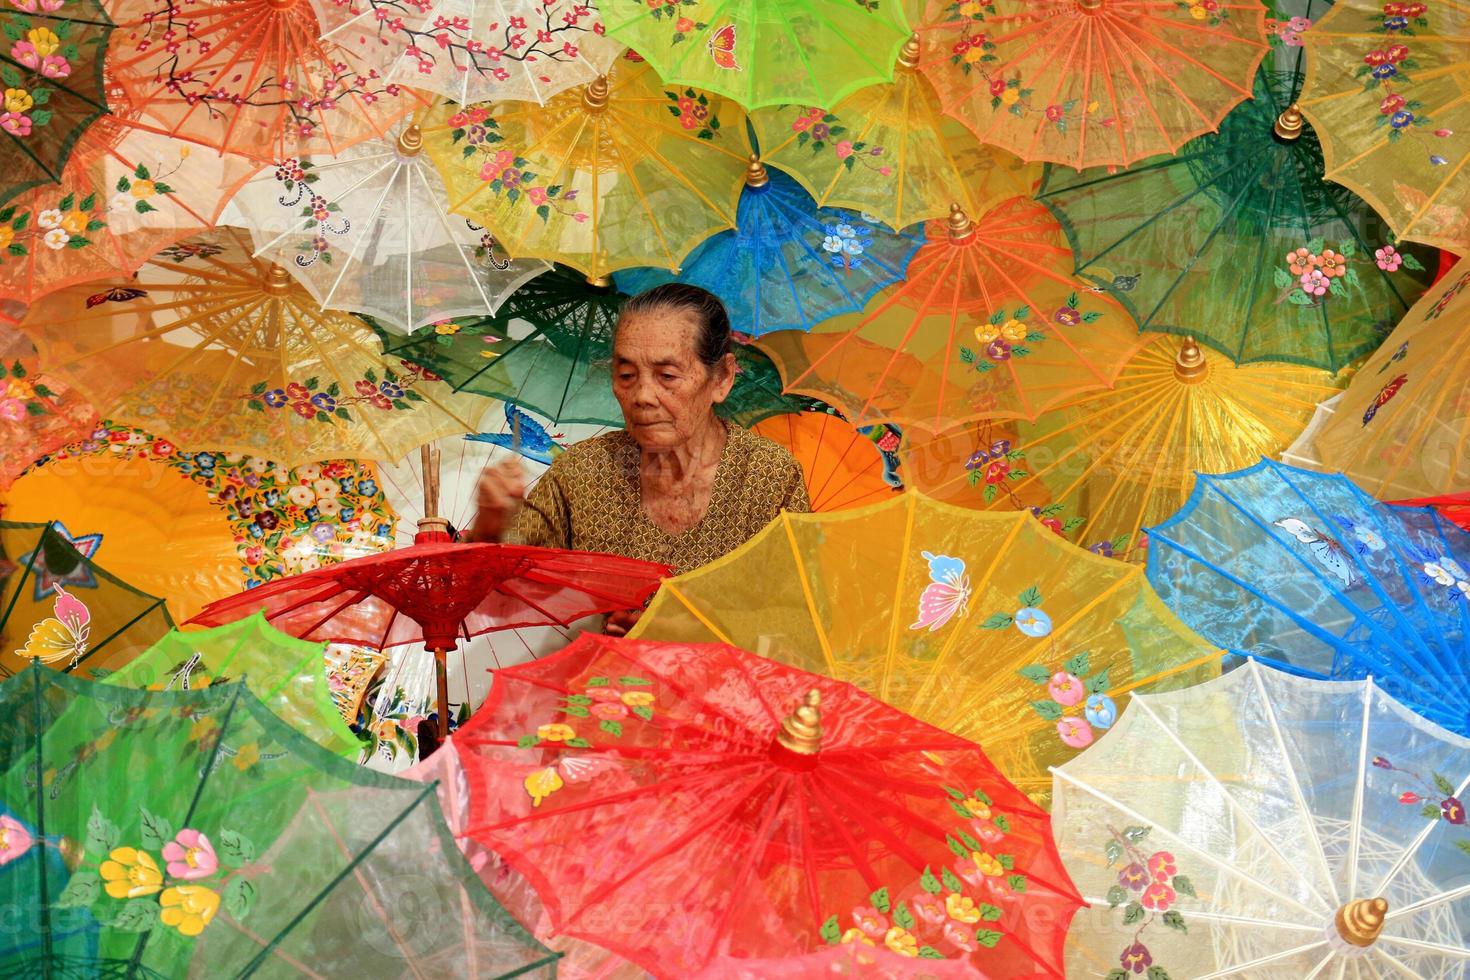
(287, 674)
(549, 349)
(1239, 242)
(202, 836)
(58, 605)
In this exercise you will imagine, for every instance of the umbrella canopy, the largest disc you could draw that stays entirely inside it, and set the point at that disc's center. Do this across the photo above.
(765, 52)
(208, 346)
(252, 77)
(38, 418)
(788, 265)
(1268, 825)
(550, 350)
(203, 836)
(59, 606)
(1383, 89)
(1307, 572)
(1451, 506)
(1105, 464)
(1402, 428)
(622, 173)
(1090, 83)
(843, 466)
(1317, 282)
(477, 50)
(368, 231)
(986, 625)
(888, 150)
(287, 675)
(785, 811)
(125, 193)
(54, 88)
(989, 323)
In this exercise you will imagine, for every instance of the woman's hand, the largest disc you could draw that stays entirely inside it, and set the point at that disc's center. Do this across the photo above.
(620, 622)
(501, 493)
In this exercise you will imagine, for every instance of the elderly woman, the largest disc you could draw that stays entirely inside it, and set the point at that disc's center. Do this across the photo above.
(678, 485)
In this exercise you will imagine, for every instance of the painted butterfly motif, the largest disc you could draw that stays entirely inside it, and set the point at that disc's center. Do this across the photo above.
(117, 294)
(61, 636)
(1325, 550)
(947, 595)
(526, 436)
(722, 48)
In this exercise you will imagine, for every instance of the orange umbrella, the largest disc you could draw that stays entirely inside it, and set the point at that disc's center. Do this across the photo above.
(1093, 82)
(37, 414)
(844, 466)
(989, 324)
(252, 77)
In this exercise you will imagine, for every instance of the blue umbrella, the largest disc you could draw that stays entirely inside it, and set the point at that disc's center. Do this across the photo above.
(788, 264)
(1307, 572)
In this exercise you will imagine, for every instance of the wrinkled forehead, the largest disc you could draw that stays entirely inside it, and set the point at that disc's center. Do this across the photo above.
(657, 337)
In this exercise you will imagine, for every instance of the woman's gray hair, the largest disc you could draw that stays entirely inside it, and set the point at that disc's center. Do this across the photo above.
(712, 342)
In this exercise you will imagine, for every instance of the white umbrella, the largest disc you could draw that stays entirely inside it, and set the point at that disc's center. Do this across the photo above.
(1268, 825)
(369, 231)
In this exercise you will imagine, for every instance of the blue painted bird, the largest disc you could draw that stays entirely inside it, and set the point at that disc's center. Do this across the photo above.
(525, 436)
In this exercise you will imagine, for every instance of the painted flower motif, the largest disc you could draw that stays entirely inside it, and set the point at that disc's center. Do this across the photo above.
(1159, 896)
(959, 937)
(1314, 283)
(1409, 797)
(15, 840)
(961, 908)
(12, 410)
(130, 873)
(609, 710)
(1332, 264)
(1387, 258)
(1100, 711)
(1452, 811)
(56, 239)
(901, 941)
(996, 471)
(870, 921)
(1300, 261)
(1369, 538)
(1033, 622)
(18, 100)
(1161, 866)
(555, 732)
(1067, 316)
(1066, 689)
(43, 40)
(987, 864)
(190, 856)
(1075, 733)
(188, 908)
(929, 908)
(1136, 958)
(637, 699)
(1391, 103)
(1013, 330)
(855, 935)
(1401, 119)
(1134, 877)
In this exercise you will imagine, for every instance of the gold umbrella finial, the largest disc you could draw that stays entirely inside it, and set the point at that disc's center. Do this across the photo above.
(801, 731)
(960, 227)
(1088, 6)
(908, 55)
(599, 282)
(277, 281)
(594, 97)
(1360, 921)
(755, 174)
(1289, 124)
(1190, 366)
(410, 141)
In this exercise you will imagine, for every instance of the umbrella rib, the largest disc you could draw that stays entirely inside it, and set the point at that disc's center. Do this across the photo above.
(874, 829)
(507, 587)
(1319, 852)
(900, 579)
(753, 854)
(1263, 960)
(854, 851)
(38, 727)
(393, 170)
(1243, 814)
(157, 604)
(807, 596)
(715, 631)
(1356, 822)
(808, 856)
(1207, 857)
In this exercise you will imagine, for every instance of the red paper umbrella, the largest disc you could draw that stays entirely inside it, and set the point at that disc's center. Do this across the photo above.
(437, 592)
(676, 803)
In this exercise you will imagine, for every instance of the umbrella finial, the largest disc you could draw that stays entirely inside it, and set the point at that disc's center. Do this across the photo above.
(277, 281)
(1360, 921)
(1190, 366)
(1088, 6)
(1289, 124)
(594, 97)
(755, 174)
(908, 55)
(960, 228)
(599, 282)
(801, 731)
(410, 141)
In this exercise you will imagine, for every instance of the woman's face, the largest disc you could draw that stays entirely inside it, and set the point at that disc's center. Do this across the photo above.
(666, 393)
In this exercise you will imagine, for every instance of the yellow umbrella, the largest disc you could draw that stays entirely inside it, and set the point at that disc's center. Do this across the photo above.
(1106, 464)
(1386, 92)
(606, 177)
(1402, 428)
(208, 346)
(889, 150)
(987, 625)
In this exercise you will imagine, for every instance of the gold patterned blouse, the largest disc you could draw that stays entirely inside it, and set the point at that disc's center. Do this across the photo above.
(590, 500)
